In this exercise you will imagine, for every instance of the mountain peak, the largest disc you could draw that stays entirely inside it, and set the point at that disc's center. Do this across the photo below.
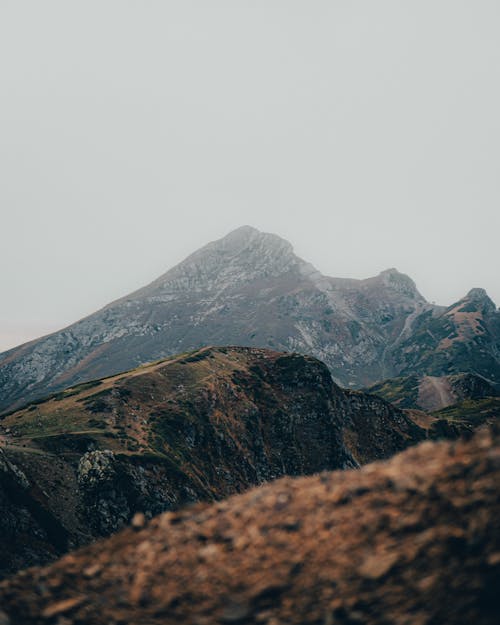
(243, 255)
(481, 299)
(477, 293)
(399, 282)
(249, 237)
(243, 231)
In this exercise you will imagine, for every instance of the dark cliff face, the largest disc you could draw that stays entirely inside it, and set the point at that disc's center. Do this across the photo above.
(196, 427)
(34, 491)
(411, 541)
(250, 289)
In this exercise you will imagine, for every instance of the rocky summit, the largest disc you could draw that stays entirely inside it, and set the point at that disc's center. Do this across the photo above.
(199, 426)
(250, 289)
(413, 541)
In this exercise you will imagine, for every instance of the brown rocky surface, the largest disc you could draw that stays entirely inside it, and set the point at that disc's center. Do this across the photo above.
(412, 541)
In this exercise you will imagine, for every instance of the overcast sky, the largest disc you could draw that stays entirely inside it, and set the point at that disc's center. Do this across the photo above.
(131, 133)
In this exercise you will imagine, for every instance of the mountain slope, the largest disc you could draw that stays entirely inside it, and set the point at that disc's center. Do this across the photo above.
(466, 416)
(463, 338)
(454, 405)
(201, 426)
(249, 288)
(432, 393)
(411, 541)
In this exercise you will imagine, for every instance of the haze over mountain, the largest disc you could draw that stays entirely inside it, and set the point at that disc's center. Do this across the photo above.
(249, 288)
(367, 133)
(240, 412)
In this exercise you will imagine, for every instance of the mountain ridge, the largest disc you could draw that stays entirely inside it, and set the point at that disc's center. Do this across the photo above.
(249, 288)
(198, 426)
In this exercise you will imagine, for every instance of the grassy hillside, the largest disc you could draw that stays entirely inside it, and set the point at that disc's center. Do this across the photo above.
(199, 426)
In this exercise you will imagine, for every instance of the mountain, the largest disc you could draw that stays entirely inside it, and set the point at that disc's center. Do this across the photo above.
(463, 338)
(250, 289)
(411, 541)
(464, 417)
(444, 406)
(431, 393)
(200, 426)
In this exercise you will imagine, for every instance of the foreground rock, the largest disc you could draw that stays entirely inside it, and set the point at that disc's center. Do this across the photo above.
(413, 541)
(202, 426)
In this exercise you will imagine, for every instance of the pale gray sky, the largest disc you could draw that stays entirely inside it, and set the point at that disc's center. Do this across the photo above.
(131, 133)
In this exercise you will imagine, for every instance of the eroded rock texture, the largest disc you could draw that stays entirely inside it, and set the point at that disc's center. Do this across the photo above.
(412, 541)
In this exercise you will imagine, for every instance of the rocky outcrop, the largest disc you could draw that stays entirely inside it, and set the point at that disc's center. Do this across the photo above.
(415, 540)
(249, 288)
(105, 502)
(197, 427)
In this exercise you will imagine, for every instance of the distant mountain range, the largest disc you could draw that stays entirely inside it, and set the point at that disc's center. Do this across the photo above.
(250, 289)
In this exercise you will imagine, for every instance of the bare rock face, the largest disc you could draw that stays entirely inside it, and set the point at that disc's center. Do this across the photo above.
(250, 289)
(106, 506)
(412, 541)
(198, 427)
